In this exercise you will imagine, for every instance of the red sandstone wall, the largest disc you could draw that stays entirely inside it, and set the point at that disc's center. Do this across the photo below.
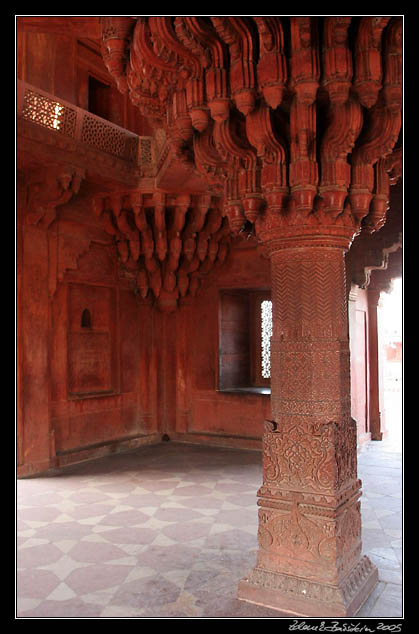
(136, 373)
(80, 388)
(202, 411)
(77, 390)
(205, 412)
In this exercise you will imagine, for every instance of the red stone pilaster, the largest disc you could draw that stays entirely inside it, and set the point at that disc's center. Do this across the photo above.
(376, 426)
(34, 433)
(41, 192)
(309, 560)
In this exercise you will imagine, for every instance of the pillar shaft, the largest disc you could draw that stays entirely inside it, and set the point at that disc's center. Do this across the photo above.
(374, 366)
(309, 559)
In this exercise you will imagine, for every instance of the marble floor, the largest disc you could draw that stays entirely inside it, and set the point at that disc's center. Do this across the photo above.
(168, 531)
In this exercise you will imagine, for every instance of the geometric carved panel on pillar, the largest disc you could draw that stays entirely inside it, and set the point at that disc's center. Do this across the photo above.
(91, 341)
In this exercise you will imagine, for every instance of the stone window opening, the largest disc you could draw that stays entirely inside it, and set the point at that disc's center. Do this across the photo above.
(266, 334)
(245, 330)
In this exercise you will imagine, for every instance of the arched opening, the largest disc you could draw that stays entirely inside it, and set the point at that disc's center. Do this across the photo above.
(86, 319)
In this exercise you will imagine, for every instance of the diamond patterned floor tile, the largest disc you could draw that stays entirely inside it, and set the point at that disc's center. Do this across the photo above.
(168, 532)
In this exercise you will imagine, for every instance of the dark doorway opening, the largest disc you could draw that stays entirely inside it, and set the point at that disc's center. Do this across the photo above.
(99, 98)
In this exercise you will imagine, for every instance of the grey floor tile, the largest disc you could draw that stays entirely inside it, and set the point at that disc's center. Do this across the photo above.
(168, 531)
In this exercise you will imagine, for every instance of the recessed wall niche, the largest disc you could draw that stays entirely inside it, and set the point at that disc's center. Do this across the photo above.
(91, 340)
(86, 319)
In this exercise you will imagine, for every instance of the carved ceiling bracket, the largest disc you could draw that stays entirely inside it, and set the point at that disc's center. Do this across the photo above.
(116, 33)
(381, 279)
(370, 252)
(292, 120)
(378, 260)
(166, 243)
(47, 188)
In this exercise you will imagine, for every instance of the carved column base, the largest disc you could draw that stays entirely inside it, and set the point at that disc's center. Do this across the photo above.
(299, 596)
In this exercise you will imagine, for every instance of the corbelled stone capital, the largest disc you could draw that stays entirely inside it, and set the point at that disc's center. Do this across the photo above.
(277, 238)
(299, 113)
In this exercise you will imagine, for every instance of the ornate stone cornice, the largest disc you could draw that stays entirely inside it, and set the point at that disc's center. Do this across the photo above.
(370, 252)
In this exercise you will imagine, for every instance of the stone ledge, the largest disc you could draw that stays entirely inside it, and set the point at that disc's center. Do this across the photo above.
(85, 454)
(218, 440)
(266, 391)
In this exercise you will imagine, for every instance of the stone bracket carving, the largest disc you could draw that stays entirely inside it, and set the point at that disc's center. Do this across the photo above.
(49, 188)
(307, 144)
(166, 243)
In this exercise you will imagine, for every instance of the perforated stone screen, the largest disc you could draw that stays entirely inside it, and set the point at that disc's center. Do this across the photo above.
(49, 113)
(102, 136)
(266, 328)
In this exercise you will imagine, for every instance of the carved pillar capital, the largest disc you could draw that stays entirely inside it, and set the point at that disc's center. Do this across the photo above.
(299, 113)
(116, 32)
(278, 232)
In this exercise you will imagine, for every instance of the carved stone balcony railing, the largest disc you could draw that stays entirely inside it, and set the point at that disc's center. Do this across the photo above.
(78, 129)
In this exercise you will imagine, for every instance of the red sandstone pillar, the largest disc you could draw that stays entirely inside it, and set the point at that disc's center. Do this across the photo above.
(374, 367)
(309, 560)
